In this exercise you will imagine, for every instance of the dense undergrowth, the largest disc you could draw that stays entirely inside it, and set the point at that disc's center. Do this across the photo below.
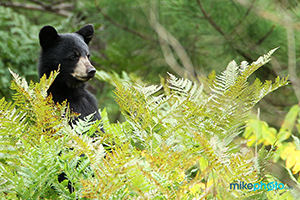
(180, 140)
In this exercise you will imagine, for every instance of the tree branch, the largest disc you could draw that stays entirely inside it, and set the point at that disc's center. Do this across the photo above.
(246, 14)
(124, 28)
(209, 19)
(227, 38)
(167, 40)
(292, 61)
(265, 36)
(59, 9)
(268, 15)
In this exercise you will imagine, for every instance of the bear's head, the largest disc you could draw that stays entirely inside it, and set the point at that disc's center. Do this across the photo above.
(68, 51)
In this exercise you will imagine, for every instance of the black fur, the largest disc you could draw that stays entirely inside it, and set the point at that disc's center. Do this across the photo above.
(69, 51)
(64, 50)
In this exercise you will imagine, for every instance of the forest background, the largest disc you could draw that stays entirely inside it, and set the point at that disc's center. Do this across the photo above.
(193, 39)
(140, 41)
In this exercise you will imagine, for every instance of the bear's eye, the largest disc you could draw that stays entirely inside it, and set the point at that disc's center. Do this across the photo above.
(75, 56)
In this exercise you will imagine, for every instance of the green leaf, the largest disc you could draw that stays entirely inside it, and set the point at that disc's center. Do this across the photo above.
(290, 118)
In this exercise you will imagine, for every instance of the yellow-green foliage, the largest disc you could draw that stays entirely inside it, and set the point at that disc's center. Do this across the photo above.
(178, 141)
(286, 143)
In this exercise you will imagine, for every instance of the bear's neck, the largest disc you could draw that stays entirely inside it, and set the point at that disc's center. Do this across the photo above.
(61, 91)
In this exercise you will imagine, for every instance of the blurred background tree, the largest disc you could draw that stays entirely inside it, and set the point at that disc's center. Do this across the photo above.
(147, 38)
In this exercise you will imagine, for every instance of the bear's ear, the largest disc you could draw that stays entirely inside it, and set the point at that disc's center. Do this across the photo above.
(87, 32)
(47, 35)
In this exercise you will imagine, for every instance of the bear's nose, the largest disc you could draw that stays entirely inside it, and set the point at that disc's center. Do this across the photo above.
(91, 72)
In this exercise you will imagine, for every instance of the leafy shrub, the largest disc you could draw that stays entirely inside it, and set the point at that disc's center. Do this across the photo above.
(18, 47)
(178, 141)
(286, 143)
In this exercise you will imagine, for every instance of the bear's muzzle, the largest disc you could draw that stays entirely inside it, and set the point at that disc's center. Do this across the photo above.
(84, 70)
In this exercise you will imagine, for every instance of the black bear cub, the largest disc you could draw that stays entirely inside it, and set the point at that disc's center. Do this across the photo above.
(69, 51)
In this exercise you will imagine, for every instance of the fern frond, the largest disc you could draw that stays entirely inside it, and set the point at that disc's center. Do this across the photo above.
(12, 127)
(233, 97)
(40, 110)
(185, 120)
(178, 141)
